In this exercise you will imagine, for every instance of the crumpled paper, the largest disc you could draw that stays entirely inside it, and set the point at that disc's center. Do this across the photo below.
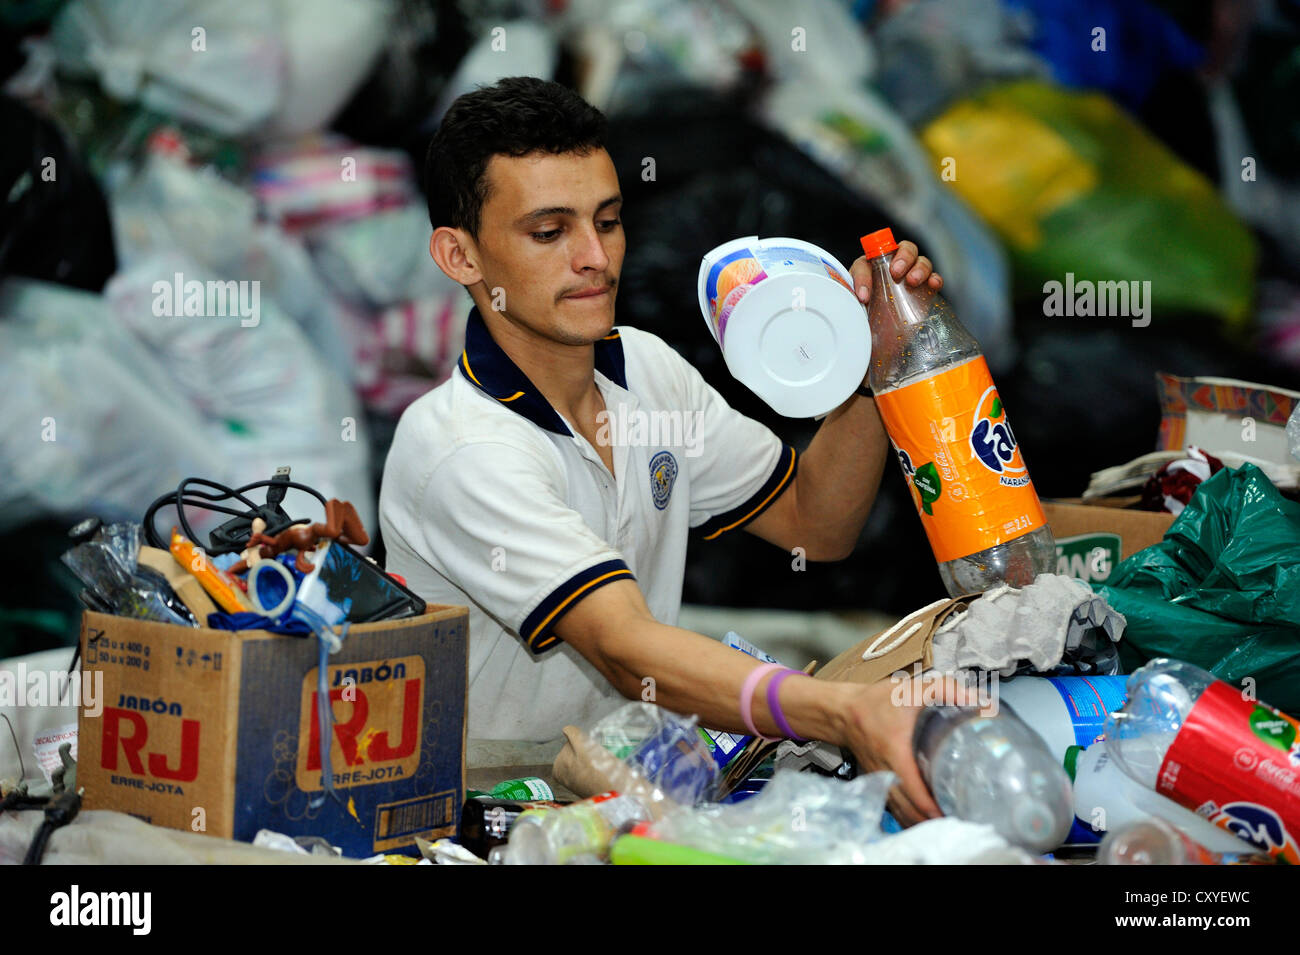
(1009, 629)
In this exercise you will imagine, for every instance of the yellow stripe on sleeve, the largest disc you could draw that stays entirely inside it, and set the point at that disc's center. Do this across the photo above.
(574, 596)
(762, 504)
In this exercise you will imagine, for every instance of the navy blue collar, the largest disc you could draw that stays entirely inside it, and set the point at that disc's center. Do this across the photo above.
(485, 365)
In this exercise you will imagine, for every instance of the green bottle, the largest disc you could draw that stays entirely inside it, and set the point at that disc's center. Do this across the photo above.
(530, 788)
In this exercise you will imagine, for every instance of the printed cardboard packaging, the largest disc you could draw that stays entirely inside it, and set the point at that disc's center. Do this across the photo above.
(1091, 539)
(216, 731)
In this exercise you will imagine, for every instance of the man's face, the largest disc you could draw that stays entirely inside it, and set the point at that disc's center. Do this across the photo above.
(549, 237)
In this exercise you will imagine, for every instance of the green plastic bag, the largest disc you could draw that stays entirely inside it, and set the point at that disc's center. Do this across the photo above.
(1074, 185)
(1222, 590)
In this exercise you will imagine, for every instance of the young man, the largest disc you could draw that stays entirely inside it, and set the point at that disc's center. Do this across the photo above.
(503, 492)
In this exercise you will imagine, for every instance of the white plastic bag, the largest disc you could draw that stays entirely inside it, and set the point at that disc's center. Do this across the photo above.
(220, 65)
(90, 423)
(266, 397)
(168, 205)
(382, 259)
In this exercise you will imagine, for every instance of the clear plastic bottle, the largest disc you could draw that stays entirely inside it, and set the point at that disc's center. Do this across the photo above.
(945, 419)
(1161, 695)
(1156, 842)
(1212, 748)
(1107, 799)
(576, 834)
(995, 770)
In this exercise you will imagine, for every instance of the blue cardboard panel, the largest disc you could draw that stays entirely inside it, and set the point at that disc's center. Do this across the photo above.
(398, 695)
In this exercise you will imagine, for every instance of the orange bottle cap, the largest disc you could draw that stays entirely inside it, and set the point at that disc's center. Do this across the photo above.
(879, 242)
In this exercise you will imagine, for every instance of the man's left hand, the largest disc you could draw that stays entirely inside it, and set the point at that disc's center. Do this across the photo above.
(907, 261)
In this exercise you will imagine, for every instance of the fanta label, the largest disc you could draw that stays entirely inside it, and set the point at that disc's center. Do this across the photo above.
(961, 461)
(1236, 763)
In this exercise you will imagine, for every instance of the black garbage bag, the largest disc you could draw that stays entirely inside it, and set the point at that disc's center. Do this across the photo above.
(54, 221)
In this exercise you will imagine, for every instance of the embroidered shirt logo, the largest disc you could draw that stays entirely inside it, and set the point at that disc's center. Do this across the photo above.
(663, 474)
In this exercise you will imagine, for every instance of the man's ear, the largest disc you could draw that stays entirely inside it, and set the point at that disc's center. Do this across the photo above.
(455, 253)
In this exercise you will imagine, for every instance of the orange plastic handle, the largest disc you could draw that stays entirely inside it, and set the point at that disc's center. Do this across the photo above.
(219, 584)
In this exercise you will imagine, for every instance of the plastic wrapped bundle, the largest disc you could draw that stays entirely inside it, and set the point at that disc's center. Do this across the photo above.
(91, 423)
(237, 67)
(798, 818)
(266, 397)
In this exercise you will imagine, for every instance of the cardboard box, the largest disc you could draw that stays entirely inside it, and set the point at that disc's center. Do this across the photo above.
(1091, 539)
(1217, 414)
(216, 731)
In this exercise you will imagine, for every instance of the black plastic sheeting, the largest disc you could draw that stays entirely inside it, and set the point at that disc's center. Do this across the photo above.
(53, 225)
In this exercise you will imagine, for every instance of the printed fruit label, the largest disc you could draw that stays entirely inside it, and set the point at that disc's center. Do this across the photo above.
(961, 461)
(1236, 763)
(735, 275)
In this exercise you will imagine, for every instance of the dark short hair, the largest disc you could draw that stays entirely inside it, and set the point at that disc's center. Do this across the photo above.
(517, 116)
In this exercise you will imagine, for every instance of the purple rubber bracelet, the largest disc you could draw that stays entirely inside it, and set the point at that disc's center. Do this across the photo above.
(774, 704)
(747, 702)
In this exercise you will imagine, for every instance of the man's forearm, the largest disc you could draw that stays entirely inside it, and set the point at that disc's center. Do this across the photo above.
(839, 475)
(687, 672)
(692, 674)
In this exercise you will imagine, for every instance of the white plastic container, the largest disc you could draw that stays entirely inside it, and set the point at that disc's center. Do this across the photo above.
(1107, 798)
(790, 327)
(1065, 711)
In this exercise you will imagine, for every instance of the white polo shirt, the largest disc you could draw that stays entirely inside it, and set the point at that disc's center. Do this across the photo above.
(491, 499)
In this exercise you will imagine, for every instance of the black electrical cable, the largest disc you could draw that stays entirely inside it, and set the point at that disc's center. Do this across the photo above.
(157, 541)
(225, 492)
(60, 810)
(22, 769)
(36, 851)
(169, 499)
(179, 500)
(18, 801)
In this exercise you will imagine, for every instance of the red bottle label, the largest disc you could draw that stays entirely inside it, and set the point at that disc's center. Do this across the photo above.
(1236, 763)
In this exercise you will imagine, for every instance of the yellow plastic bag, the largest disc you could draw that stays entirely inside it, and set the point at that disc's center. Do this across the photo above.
(1073, 185)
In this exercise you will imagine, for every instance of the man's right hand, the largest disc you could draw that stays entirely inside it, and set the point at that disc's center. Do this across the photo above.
(879, 722)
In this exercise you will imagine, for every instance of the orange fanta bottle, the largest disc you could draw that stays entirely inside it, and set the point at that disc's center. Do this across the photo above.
(952, 437)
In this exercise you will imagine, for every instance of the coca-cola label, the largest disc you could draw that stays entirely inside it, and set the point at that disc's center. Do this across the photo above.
(1236, 763)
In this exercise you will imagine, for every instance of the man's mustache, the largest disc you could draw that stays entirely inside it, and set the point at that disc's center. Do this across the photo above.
(612, 284)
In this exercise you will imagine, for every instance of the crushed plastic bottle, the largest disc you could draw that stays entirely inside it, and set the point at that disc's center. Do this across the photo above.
(952, 436)
(995, 770)
(1156, 842)
(1106, 799)
(577, 834)
(1214, 749)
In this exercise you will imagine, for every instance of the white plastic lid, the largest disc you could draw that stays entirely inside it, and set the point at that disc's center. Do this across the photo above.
(798, 339)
